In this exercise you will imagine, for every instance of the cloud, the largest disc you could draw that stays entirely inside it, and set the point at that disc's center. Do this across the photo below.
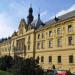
(17, 11)
(62, 12)
(6, 28)
(8, 18)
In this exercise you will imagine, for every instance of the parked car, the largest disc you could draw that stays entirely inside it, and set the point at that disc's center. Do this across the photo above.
(73, 73)
(51, 72)
(63, 72)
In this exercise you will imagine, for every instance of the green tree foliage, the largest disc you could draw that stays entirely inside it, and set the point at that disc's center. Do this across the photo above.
(26, 67)
(6, 62)
(20, 66)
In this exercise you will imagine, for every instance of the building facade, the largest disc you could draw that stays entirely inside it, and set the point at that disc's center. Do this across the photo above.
(52, 42)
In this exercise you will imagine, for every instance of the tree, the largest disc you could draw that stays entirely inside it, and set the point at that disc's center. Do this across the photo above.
(26, 67)
(6, 62)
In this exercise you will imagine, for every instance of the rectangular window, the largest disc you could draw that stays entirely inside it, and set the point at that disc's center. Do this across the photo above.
(71, 59)
(42, 35)
(59, 31)
(50, 59)
(37, 59)
(59, 59)
(42, 58)
(38, 45)
(70, 40)
(28, 47)
(42, 45)
(20, 44)
(50, 44)
(59, 42)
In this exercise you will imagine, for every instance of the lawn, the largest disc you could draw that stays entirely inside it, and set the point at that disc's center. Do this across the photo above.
(4, 73)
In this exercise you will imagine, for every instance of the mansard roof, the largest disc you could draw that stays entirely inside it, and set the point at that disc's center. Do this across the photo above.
(4, 39)
(60, 18)
(37, 23)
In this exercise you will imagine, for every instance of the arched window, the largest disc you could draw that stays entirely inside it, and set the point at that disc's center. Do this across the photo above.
(50, 33)
(70, 40)
(69, 28)
(38, 36)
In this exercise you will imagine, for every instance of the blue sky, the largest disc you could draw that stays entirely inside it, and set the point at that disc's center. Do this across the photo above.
(11, 12)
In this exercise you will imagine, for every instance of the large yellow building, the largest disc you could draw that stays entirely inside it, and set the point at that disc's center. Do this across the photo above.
(51, 43)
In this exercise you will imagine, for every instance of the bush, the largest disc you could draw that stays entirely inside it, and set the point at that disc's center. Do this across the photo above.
(20, 66)
(26, 67)
(6, 62)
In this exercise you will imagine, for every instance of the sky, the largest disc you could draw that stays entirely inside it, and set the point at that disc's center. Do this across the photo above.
(12, 11)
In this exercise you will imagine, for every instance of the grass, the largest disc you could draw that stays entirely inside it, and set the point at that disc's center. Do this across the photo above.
(4, 73)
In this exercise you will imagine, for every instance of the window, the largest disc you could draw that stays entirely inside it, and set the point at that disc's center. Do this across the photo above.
(59, 59)
(28, 37)
(70, 40)
(69, 28)
(50, 33)
(38, 36)
(71, 59)
(38, 45)
(50, 44)
(42, 46)
(28, 42)
(59, 42)
(42, 58)
(28, 47)
(58, 31)
(42, 35)
(38, 59)
(20, 44)
(50, 59)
